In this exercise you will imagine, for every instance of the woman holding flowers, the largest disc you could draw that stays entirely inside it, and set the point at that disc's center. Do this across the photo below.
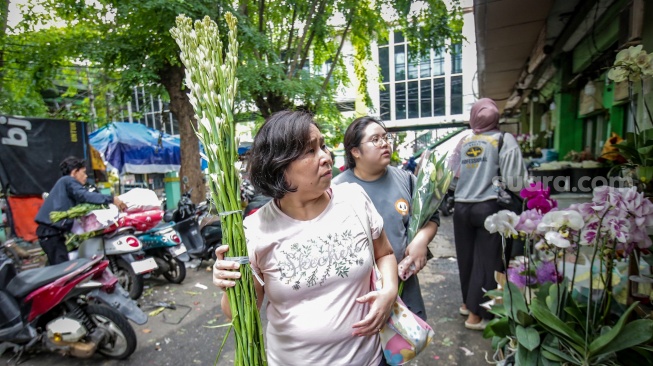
(368, 149)
(478, 162)
(310, 249)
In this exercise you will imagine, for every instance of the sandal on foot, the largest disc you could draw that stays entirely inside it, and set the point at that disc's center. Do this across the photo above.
(462, 311)
(477, 326)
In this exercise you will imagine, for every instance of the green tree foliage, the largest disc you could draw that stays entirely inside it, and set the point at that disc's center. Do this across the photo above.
(292, 51)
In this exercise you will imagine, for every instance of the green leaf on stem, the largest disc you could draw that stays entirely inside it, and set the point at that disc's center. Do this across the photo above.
(528, 337)
(526, 357)
(549, 321)
(499, 327)
(629, 335)
(514, 301)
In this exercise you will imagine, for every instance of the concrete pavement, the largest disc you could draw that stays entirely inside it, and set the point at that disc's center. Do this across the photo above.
(184, 336)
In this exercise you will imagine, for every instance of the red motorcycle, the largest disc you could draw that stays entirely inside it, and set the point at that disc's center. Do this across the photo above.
(61, 309)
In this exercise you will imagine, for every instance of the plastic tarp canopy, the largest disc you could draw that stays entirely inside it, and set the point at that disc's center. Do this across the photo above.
(136, 148)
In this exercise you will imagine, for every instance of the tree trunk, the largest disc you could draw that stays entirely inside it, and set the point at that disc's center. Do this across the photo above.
(271, 102)
(172, 78)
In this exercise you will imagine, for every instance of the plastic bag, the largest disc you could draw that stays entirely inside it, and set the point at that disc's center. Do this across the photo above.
(95, 220)
(141, 221)
(140, 199)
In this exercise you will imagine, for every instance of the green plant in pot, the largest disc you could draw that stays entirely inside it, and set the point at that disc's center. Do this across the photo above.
(637, 148)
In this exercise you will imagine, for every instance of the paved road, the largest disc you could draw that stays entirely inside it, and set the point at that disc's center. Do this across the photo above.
(191, 342)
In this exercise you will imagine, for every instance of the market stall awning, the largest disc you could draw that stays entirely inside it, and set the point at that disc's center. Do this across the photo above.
(136, 148)
(518, 42)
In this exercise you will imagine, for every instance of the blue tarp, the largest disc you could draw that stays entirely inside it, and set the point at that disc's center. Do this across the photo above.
(136, 148)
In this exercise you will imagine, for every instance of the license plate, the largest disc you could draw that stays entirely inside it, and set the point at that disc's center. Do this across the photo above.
(175, 251)
(145, 265)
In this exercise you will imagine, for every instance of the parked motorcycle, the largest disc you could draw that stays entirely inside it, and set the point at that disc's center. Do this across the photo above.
(124, 252)
(55, 309)
(199, 241)
(164, 244)
(256, 202)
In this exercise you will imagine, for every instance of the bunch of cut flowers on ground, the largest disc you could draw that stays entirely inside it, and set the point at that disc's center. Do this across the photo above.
(560, 323)
(212, 83)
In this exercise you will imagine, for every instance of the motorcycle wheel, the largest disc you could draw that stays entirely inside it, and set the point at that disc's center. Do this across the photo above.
(177, 272)
(122, 342)
(129, 280)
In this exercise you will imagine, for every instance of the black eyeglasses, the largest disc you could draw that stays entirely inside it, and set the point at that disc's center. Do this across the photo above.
(378, 140)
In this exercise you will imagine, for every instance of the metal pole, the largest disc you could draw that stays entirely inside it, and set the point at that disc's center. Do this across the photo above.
(129, 112)
(152, 109)
(91, 96)
(531, 123)
(163, 126)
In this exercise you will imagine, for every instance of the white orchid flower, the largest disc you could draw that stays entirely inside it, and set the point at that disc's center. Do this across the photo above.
(557, 239)
(555, 220)
(502, 222)
(618, 74)
(623, 56)
(634, 51)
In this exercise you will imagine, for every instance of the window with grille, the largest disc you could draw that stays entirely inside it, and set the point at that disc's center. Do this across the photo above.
(414, 86)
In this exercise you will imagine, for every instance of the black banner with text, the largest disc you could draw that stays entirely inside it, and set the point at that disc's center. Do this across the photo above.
(32, 148)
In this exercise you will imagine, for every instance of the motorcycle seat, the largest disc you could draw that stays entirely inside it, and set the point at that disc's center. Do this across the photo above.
(121, 230)
(160, 226)
(28, 281)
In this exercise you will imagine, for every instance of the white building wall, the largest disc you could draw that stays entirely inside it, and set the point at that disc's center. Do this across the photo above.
(469, 76)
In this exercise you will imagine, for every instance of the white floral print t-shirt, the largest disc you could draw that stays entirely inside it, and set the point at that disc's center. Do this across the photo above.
(313, 272)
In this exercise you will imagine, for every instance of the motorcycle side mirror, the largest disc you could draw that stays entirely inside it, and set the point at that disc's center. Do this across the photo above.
(167, 217)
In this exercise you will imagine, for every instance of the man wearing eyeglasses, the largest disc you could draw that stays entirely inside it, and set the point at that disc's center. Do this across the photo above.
(368, 149)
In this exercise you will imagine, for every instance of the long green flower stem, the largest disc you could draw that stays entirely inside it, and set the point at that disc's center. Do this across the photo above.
(591, 285)
(212, 83)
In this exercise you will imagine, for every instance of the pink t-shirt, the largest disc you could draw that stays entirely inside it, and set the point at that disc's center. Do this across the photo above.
(313, 272)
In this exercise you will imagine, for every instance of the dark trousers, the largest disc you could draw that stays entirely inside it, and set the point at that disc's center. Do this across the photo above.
(479, 253)
(383, 363)
(53, 244)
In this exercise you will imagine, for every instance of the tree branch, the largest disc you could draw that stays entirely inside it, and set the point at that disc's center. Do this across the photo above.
(243, 9)
(309, 43)
(334, 61)
(261, 10)
(309, 22)
(291, 33)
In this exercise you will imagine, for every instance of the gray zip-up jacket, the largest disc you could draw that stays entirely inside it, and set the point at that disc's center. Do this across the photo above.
(480, 161)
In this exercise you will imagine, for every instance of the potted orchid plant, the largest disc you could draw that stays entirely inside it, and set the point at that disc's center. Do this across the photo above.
(633, 65)
(543, 314)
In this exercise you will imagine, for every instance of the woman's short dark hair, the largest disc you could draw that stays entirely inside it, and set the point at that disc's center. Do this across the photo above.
(282, 139)
(71, 163)
(354, 135)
